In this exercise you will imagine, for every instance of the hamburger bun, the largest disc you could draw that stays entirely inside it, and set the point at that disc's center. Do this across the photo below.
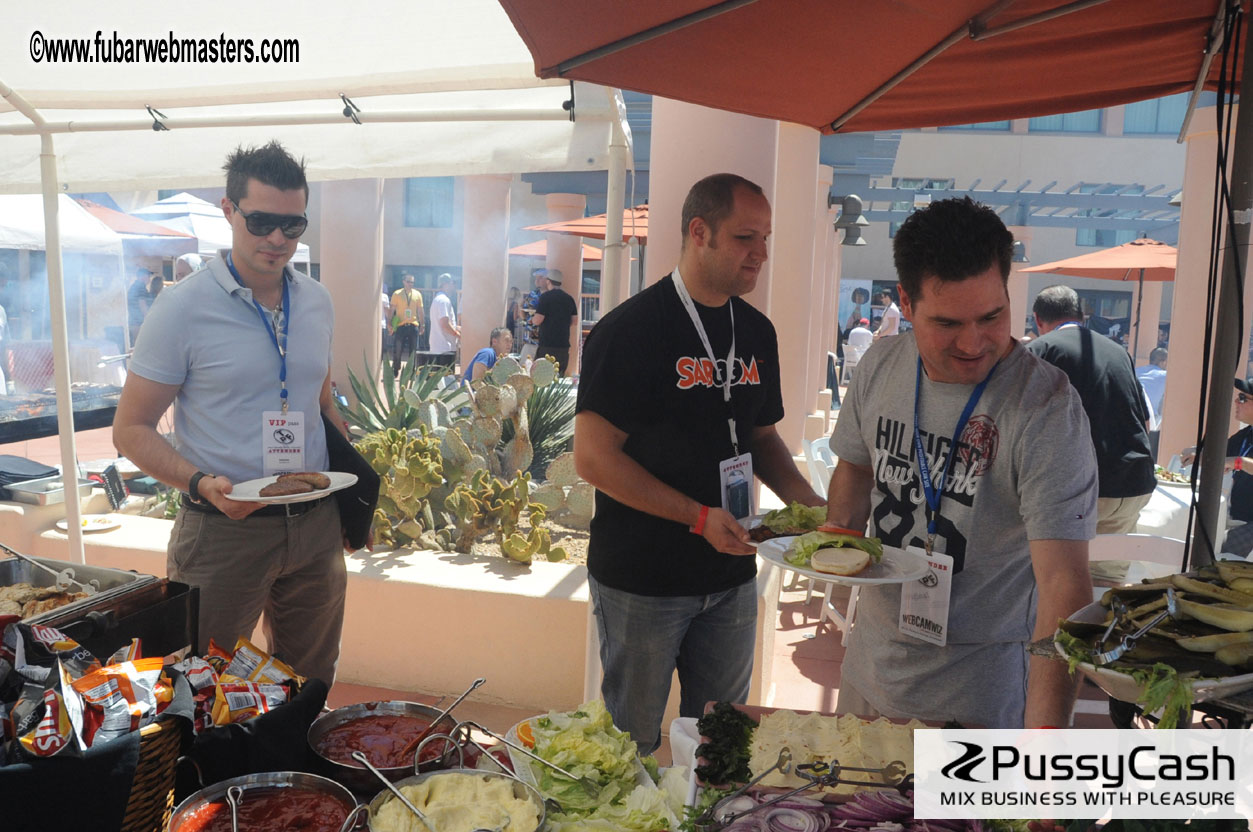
(844, 561)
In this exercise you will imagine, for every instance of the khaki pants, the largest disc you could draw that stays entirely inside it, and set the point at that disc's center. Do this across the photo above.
(1119, 515)
(290, 568)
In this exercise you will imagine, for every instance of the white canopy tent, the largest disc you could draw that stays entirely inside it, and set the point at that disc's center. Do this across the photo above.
(433, 88)
(22, 227)
(201, 219)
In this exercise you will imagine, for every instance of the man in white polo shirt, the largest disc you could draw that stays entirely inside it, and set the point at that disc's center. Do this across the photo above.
(445, 334)
(243, 349)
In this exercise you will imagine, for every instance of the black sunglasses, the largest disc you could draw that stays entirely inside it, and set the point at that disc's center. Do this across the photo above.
(1241, 398)
(263, 223)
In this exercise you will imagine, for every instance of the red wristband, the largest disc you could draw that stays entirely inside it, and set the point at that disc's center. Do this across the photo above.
(699, 528)
(1238, 464)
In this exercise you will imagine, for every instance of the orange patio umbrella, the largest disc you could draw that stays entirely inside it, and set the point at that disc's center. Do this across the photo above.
(853, 65)
(634, 224)
(1142, 260)
(539, 248)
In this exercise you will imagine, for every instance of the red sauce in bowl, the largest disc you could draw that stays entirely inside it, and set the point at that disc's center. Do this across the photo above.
(271, 810)
(381, 737)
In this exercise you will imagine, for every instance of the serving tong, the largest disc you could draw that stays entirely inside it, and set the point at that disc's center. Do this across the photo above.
(417, 741)
(64, 577)
(1122, 615)
(588, 785)
(818, 773)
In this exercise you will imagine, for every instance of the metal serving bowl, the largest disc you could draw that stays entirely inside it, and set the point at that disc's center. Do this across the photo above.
(520, 790)
(269, 781)
(359, 779)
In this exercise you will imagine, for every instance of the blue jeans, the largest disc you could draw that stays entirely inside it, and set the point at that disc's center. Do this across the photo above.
(643, 639)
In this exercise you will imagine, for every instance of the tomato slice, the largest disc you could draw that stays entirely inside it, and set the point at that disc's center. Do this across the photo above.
(825, 527)
(525, 735)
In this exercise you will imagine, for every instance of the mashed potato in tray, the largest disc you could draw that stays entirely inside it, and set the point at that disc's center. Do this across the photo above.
(458, 803)
(846, 739)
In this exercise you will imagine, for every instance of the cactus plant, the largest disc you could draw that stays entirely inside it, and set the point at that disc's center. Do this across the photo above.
(410, 466)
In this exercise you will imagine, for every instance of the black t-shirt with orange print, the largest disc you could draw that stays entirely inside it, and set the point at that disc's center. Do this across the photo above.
(645, 370)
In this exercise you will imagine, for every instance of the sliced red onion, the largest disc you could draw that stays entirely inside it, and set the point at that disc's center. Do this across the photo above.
(791, 820)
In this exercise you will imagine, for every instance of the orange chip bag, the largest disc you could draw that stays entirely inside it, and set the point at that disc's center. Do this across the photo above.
(217, 657)
(126, 653)
(119, 698)
(254, 664)
(238, 701)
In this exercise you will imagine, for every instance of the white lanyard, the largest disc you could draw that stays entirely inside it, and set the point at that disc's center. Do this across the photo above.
(724, 379)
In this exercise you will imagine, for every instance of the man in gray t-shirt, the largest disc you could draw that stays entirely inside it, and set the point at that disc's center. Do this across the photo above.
(1013, 511)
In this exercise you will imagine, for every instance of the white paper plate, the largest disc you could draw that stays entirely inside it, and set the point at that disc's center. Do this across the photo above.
(1170, 484)
(92, 523)
(1123, 687)
(250, 491)
(897, 566)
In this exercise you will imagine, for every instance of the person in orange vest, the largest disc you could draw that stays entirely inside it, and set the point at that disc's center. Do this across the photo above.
(406, 322)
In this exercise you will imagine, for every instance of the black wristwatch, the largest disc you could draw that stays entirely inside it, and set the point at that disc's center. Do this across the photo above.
(193, 487)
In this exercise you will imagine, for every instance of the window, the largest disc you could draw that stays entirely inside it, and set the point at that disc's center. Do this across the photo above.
(428, 202)
(1088, 121)
(1103, 237)
(1002, 126)
(1160, 115)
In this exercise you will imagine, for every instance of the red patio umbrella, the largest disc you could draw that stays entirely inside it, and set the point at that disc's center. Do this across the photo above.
(1142, 259)
(634, 224)
(852, 65)
(539, 248)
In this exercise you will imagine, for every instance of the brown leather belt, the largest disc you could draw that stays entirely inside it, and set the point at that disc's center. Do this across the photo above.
(278, 510)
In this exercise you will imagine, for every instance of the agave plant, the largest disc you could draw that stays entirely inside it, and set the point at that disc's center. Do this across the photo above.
(396, 406)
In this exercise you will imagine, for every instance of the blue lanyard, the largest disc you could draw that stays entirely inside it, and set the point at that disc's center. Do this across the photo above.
(280, 345)
(933, 491)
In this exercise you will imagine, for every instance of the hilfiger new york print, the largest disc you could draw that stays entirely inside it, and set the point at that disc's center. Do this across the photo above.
(897, 478)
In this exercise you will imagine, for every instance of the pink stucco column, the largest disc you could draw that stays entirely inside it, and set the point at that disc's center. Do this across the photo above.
(484, 261)
(351, 258)
(565, 253)
(1187, 318)
(822, 288)
(690, 142)
(1019, 302)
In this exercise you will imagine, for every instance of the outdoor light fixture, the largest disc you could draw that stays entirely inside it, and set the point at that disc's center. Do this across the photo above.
(1020, 252)
(851, 218)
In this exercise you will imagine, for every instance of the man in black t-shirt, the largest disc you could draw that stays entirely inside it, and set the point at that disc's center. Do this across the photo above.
(1102, 373)
(671, 572)
(555, 313)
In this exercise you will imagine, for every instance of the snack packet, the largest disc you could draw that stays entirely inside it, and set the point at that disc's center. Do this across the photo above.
(48, 718)
(42, 646)
(254, 664)
(239, 701)
(217, 657)
(126, 653)
(200, 674)
(119, 698)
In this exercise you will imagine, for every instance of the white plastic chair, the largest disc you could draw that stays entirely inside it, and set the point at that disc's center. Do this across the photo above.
(852, 355)
(821, 462)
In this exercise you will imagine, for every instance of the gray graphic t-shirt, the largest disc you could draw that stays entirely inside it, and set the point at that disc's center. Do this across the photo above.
(1024, 470)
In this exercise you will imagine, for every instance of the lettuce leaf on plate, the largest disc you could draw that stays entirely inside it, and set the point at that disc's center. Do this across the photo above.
(803, 547)
(795, 516)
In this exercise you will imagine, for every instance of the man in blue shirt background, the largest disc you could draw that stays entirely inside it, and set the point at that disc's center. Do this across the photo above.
(501, 342)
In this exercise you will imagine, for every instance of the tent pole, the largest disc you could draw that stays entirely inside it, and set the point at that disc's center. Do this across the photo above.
(56, 308)
(1228, 338)
(615, 194)
(61, 348)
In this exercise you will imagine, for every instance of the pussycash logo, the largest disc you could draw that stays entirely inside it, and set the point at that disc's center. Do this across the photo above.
(1142, 763)
(694, 372)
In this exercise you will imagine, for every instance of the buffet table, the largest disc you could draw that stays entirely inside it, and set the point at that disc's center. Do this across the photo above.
(1166, 514)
